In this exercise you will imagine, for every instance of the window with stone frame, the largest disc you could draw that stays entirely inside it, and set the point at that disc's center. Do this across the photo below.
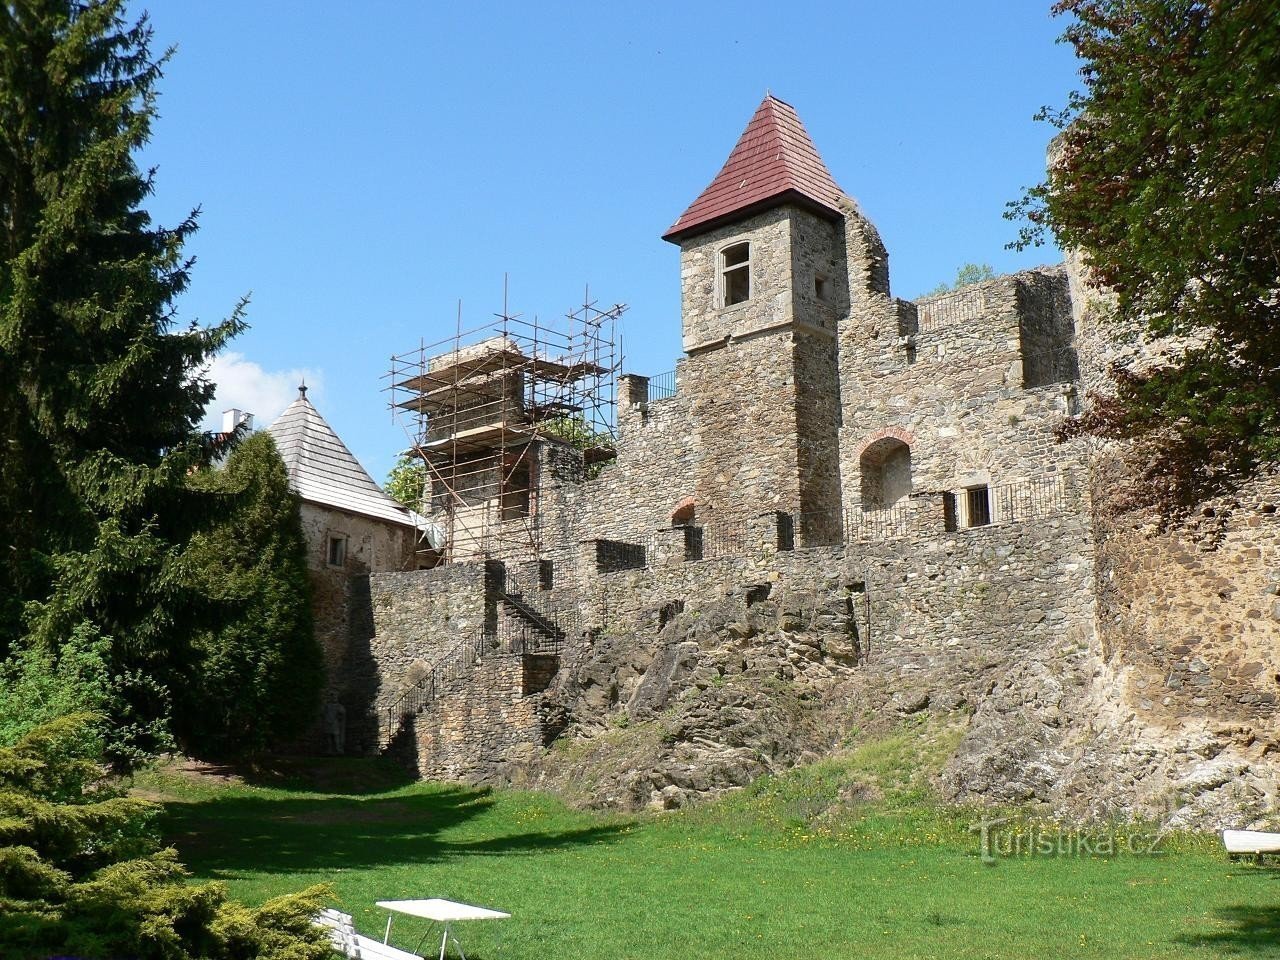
(336, 551)
(735, 274)
(978, 506)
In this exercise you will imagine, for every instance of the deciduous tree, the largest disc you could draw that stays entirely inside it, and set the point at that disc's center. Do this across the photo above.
(1167, 181)
(406, 482)
(965, 275)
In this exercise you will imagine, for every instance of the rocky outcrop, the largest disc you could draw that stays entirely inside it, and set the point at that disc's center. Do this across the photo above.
(734, 690)
(713, 700)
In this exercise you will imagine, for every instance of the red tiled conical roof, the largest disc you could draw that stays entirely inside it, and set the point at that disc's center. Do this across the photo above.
(774, 161)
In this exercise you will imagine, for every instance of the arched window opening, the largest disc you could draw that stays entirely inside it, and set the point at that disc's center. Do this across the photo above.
(682, 515)
(735, 274)
(886, 473)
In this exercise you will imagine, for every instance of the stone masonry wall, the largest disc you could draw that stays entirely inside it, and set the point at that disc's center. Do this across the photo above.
(935, 597)
(485, 723)
(953, 390)
(371, 545)
(1187, 677)
(932, 620)
(771, 302)
(742, 420)
(654, 470)
(1099, 657)
(1191, 617)
(408, 622)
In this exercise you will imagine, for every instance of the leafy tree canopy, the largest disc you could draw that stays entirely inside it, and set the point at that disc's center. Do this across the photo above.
(965, 275)
(1167, 181)
(407, 481)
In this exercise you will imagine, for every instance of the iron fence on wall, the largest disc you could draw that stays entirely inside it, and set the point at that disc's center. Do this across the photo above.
(920, 515)
(662, 385)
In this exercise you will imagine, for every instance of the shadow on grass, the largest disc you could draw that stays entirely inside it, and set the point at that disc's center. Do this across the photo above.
(352, 776)
(1245, 930)
(234, 834)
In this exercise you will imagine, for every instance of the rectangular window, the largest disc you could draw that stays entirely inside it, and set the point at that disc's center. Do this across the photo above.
(950, 522)
(337, 551)
(735, 274)
(516, 486)
(979, 504)
(820, 288)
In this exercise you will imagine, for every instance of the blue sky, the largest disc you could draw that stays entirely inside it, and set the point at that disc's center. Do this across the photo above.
(362, 167)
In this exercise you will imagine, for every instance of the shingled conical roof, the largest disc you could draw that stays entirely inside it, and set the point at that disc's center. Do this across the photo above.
(774, 162)
(323, 471)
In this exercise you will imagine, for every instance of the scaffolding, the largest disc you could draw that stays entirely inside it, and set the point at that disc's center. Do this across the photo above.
(478, 404)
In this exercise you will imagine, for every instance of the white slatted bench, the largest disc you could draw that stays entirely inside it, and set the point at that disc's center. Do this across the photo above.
(1250, 842)
(345, 940)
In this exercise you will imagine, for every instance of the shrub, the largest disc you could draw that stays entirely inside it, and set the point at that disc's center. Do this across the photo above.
(82, 874)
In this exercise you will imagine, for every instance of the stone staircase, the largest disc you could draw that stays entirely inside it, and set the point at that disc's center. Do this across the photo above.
(515, 624)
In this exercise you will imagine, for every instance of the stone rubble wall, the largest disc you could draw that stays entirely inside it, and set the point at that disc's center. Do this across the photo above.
(482, 725)
(861, 633)
(1188, 677)
(1100, 660)
(371, 545)
(958, 400)
(409, 621)
(654, 469)
(933, 598)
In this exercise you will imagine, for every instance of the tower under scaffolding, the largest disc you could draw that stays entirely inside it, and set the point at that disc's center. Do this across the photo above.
(479, 405)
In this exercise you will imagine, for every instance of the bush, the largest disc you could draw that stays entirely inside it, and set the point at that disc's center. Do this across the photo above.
(38, 685)
(82, 873)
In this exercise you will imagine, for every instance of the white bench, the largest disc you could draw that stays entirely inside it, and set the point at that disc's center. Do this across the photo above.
(1255, 842)
(345, 940)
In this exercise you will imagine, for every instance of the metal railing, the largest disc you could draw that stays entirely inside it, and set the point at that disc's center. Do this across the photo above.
(962, 306)
(718, 538)
(662, 385)
(615, 555)
(919, 515)
(540, 626)
(1029, 499)
(456, 662)
(832, 528)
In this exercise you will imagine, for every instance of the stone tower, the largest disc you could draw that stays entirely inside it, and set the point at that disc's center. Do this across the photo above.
(764, 287)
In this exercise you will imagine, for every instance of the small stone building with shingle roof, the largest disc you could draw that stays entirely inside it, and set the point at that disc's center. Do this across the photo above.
(351, 526)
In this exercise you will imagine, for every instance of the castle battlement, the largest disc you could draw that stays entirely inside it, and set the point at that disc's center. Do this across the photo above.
(856, 498)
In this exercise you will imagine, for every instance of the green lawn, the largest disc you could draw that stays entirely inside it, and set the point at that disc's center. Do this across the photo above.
(793, 868)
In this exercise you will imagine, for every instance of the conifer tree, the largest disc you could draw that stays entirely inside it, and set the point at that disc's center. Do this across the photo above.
(100, 386)
(82, 872)
(256, 669)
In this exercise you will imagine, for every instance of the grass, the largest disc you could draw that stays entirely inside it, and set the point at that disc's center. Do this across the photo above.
(849, 857)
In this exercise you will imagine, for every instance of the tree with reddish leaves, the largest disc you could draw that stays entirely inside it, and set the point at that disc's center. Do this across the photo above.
(1167, 182)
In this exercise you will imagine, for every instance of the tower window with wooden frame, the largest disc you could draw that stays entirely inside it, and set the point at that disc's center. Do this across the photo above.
(735, 274)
